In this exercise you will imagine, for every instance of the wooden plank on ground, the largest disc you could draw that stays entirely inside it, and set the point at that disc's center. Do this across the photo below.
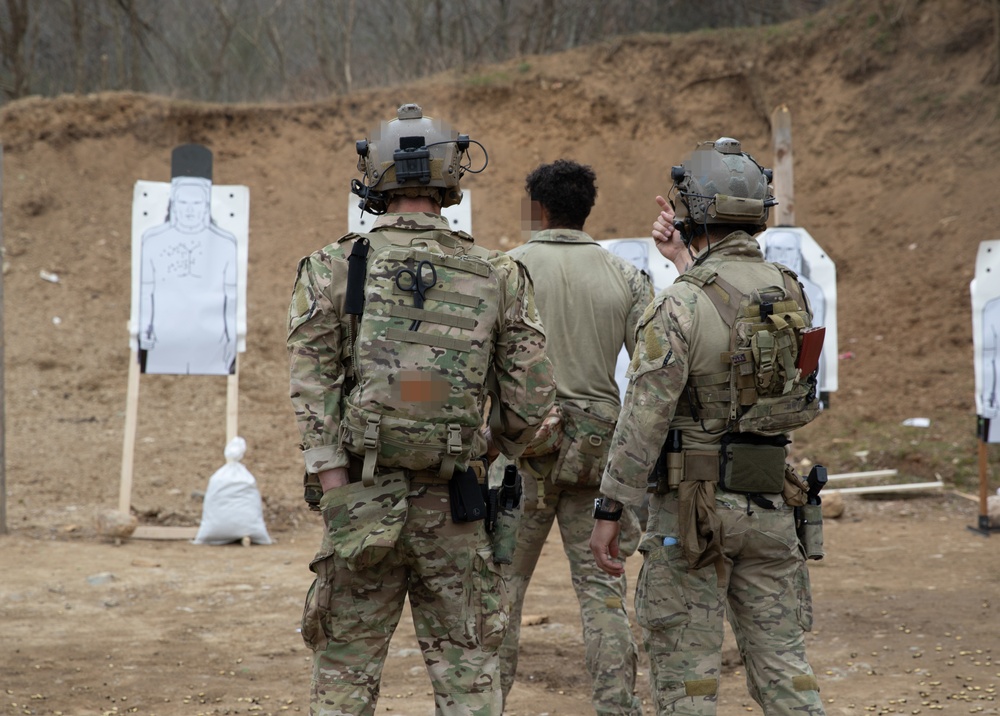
(904, 487)
(160, 532)
(862, 475)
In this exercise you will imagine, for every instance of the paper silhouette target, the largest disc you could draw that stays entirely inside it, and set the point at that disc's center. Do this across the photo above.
(985, 289)
(189, 265)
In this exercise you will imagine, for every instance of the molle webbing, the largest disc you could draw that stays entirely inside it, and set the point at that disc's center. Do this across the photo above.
(442, 318)
(422, 315)
(452, 262)
(437, 294)
(427, 339)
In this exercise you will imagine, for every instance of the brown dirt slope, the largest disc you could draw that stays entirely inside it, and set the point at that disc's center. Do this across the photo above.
(896, 151)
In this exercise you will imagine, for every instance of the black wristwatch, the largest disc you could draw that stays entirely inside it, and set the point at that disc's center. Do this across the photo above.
(603, 511)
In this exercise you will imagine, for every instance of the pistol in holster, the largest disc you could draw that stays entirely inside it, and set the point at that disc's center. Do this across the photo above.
(669, 468)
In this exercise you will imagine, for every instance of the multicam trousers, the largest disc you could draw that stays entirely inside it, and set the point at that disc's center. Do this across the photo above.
(611, 652)
(764, 586)
(459, 604)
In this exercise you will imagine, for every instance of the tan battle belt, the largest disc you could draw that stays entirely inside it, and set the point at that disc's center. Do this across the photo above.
(431, 476)
(695, 466)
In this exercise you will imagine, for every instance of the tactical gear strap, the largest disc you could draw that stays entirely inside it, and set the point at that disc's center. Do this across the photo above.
(454, 450)
(725, 297)
(371, 450)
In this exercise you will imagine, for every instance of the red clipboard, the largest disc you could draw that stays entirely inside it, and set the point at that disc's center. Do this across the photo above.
(812, 346)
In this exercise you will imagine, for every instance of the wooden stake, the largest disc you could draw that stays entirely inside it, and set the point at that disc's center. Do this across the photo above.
(984, 486)
(128, 445)
(3, 400)
(784, 180)
(232, 401)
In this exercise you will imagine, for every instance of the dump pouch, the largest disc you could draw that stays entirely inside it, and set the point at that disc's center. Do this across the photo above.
(585, 446)
(363, 523)
(752, 464)
(466, 497)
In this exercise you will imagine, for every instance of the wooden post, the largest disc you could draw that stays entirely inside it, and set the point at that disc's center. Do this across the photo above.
(984, 483)
(233, 402)
(128, 445)
(784, 180)
(3, 400)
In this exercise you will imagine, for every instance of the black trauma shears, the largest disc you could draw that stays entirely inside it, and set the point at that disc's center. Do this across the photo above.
(416, 282)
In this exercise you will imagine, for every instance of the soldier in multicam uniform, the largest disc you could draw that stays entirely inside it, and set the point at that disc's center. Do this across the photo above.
(407, 354)
(574, 277)
(709, 547)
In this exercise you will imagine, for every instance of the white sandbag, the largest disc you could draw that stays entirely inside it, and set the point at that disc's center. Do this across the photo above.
(232, 508)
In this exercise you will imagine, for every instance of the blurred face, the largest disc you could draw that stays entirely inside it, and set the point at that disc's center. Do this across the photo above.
(531, 217)
(190, 207)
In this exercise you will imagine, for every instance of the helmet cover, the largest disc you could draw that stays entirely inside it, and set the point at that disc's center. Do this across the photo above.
(412, 155)
(721, 184)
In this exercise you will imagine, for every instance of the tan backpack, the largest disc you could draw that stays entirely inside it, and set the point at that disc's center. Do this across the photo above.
(422, 353)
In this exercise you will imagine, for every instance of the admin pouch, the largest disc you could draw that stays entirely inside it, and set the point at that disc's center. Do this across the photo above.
(752, 464)
(363, 523)
(422, 352)
(587, 432)
(762, 390)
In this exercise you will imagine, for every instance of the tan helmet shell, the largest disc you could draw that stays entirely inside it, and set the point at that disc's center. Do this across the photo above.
(407, 129)
(721, 184)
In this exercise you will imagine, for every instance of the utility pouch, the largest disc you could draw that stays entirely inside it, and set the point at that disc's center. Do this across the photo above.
(795, 491)
(548, 443)
(466, 497)
(364, 523)
(810, 530)
(749, 465)
(312, 491)
(585, 446)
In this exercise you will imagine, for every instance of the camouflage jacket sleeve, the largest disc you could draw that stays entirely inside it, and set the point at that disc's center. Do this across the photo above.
(657, 375)
(525, 382)
(642, 294)
(318, 351)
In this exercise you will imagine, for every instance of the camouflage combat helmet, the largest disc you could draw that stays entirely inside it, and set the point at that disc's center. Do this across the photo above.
(411, 155)
(720, 184)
